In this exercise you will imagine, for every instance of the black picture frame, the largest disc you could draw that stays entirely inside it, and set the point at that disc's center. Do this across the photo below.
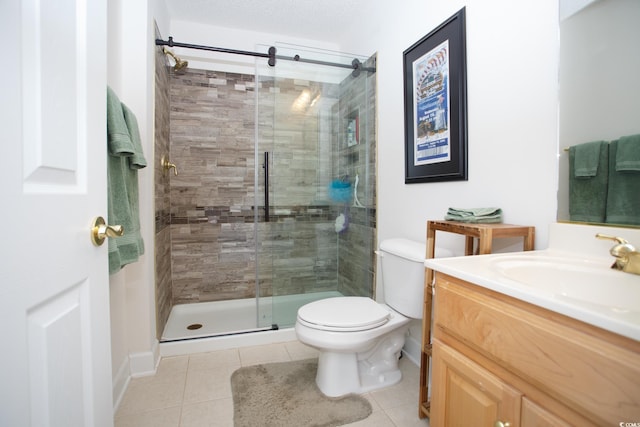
(435, 104)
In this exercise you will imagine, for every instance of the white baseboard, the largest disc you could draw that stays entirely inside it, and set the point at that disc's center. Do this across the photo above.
(144, 363)
(120, 383)
(412, 350)
(136, 365)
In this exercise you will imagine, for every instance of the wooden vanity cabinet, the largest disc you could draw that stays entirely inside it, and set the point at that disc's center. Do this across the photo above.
(499, 359)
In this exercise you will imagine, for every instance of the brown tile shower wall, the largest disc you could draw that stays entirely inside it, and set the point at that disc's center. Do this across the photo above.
(212, 231)
(162, 202)
(213, 236)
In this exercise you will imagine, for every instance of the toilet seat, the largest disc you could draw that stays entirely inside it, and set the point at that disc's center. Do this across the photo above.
(343, 314)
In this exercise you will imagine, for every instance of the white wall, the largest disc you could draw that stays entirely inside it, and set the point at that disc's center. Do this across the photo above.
(512, 56)
(512, 85)
(131, 75)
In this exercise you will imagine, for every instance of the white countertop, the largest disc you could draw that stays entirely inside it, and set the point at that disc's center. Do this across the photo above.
(481, 270)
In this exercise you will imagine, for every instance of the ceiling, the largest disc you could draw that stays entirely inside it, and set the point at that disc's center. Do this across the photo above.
(324, 20)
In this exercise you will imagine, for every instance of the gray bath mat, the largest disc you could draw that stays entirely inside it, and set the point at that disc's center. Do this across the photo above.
(285, 394)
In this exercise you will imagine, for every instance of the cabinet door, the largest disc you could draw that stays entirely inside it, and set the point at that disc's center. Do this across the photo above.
(466, 395)
(534, 415)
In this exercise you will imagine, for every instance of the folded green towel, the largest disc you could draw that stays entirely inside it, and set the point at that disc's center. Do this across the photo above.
(588, 195)
(587, 159)
(124, 159)
(623, 198)
(474, 215)
(628, 154)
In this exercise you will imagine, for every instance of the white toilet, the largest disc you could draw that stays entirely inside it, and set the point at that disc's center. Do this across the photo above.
(359, 339)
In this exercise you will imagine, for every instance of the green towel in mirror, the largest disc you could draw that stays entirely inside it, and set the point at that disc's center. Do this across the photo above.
(587, 159)
(588, 194)
(623, 198)
(628, 154)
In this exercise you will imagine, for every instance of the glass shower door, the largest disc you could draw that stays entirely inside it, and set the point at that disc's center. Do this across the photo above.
(303, 148)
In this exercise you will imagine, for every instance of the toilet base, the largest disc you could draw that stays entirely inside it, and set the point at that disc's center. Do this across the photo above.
(337, 373)
(344, 373)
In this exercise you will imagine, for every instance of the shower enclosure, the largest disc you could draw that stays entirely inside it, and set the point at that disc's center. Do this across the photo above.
(252, 227)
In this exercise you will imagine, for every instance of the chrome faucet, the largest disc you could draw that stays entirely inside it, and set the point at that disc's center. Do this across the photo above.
(627, 257)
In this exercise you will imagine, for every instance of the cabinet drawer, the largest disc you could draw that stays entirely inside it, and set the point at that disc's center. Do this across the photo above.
(587, 369)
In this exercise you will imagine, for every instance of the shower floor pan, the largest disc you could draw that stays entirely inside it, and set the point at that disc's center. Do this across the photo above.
(221, 318)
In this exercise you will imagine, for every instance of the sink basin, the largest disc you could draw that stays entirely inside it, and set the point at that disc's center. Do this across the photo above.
(573, 280)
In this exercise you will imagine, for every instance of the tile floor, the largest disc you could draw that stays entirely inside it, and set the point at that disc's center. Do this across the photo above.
(195, 390)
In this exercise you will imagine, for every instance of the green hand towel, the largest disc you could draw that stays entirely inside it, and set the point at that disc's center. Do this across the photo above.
(628, 154)
(623, 198)
(474, 215)
(588, 195)
(587, 159)
(137, 160)
(124, 159)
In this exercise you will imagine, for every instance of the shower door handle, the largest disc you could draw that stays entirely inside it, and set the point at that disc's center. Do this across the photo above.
(266, 186)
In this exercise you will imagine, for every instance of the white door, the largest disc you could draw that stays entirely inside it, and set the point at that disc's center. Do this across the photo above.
(55, 365)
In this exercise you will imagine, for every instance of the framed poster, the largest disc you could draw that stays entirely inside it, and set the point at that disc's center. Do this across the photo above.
(435, 104)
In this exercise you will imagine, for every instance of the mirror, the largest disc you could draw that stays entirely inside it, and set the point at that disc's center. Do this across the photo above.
(599, 79)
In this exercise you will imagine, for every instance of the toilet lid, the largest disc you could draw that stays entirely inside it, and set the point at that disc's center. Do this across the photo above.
(343, 314)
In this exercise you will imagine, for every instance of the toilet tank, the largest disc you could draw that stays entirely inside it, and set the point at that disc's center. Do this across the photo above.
(402, 263)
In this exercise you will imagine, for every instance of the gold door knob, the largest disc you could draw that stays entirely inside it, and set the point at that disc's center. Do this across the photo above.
(100, 231)
(501, 424)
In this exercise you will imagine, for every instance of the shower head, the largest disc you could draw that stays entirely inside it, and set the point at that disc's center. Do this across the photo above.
(179, 63)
